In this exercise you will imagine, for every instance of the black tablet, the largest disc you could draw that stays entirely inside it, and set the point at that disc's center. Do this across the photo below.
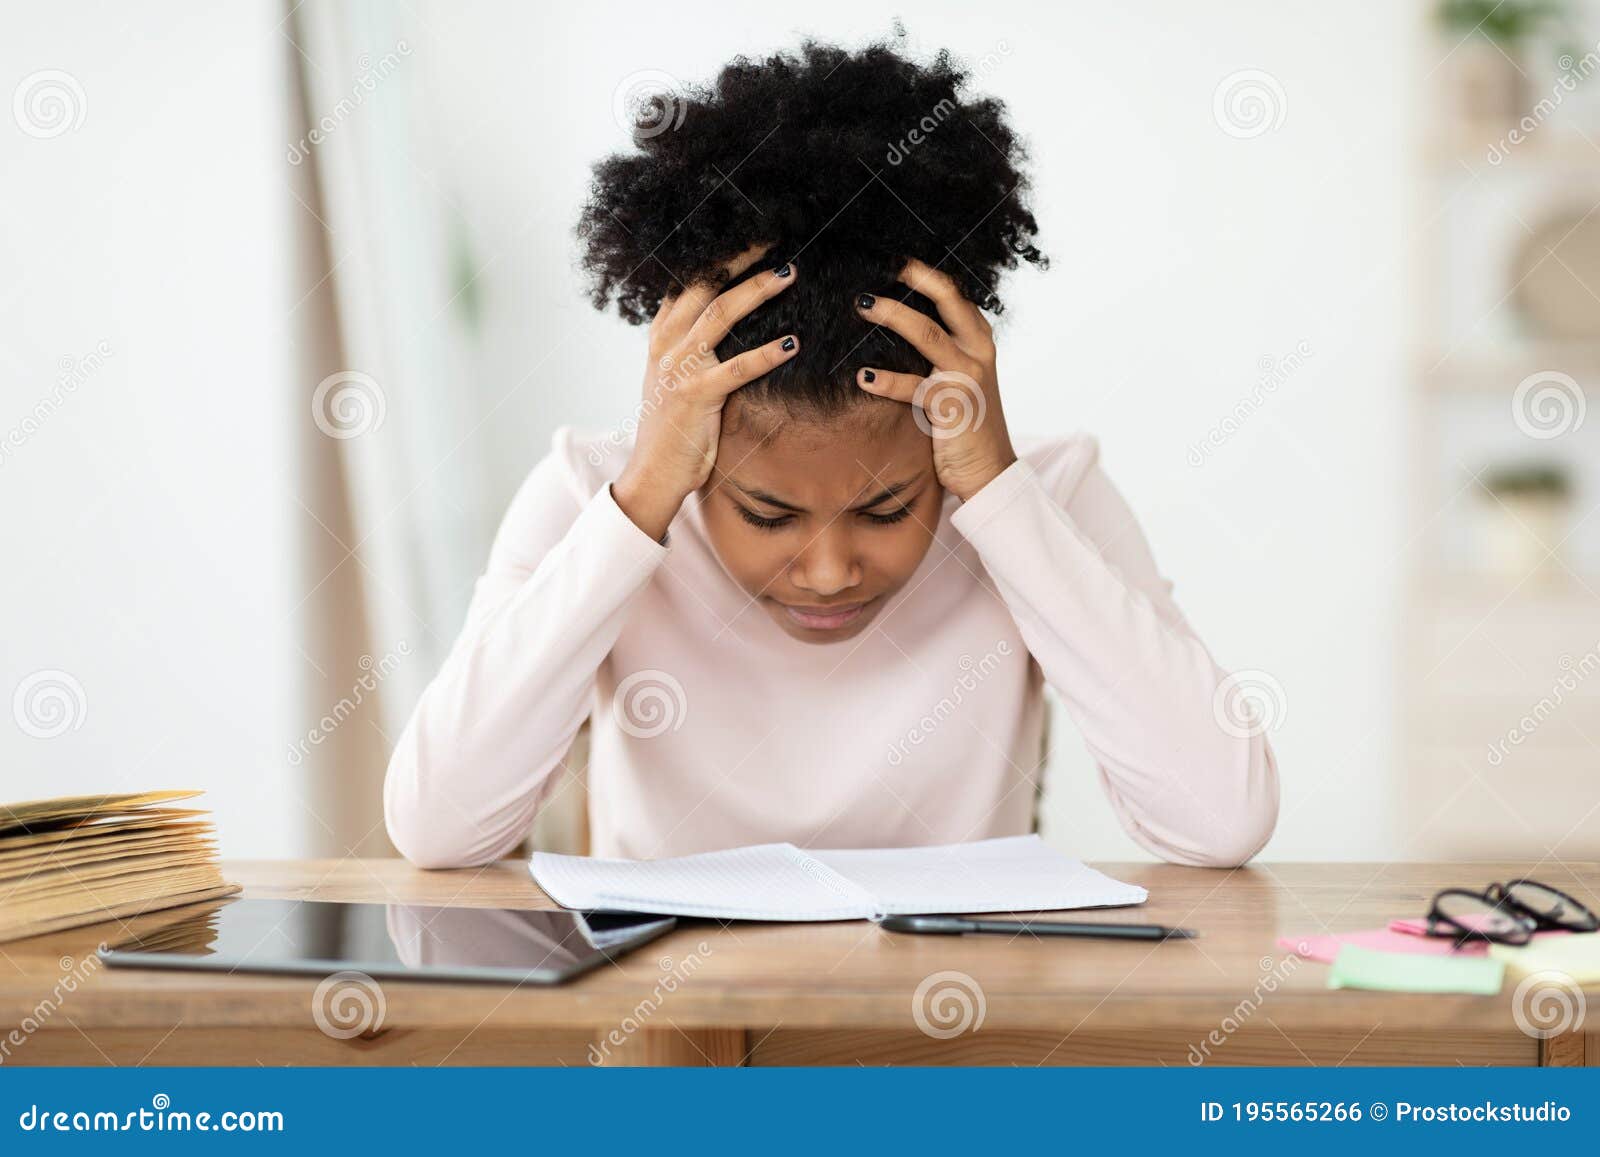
(391, 941)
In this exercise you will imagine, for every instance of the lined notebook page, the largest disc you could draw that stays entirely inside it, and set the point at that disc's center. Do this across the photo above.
(782, 882)
(764, 882)
(1011, 874)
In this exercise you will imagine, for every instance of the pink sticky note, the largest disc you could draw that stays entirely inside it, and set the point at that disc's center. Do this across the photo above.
(1407, 936)
(1325, 948)
(1420, 928)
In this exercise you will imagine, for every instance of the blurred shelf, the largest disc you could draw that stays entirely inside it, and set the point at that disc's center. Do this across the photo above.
(1483, 652)
(1474, 146)
(1534, 804)
(1450, 591)
(1452, 719)
(1500, 370)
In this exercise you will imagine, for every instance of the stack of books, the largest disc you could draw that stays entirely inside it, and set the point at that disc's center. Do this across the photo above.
(189, 931)
(83, 859)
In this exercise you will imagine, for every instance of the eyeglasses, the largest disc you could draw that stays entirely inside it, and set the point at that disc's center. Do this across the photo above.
(1507, 913)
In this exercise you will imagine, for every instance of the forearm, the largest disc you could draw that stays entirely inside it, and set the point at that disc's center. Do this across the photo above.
(651, 505)
(1138, 683)
(471, 765)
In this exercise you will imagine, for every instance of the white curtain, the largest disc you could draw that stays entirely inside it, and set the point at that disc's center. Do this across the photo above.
(392, 402)
(401, 404)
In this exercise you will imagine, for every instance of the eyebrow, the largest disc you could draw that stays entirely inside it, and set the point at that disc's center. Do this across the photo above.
(893, 490)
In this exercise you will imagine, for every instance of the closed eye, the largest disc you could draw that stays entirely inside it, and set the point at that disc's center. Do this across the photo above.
(755, 519)
(776, 522)
(890, 518)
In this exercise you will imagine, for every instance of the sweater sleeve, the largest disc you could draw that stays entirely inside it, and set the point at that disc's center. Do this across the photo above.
(1186, 777)
(472, 763)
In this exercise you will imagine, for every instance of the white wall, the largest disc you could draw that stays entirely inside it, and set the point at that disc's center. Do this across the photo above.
(149, 550)
(1183, 256)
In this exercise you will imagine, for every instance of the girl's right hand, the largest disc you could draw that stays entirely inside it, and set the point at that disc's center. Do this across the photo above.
(685, 387)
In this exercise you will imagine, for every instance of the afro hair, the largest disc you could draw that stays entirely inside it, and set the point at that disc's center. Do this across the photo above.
(847, 162)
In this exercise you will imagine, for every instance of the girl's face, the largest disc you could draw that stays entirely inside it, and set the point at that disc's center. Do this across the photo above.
(822, 521)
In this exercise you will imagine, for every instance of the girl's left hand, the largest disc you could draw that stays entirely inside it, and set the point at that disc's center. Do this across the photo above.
(958, 404)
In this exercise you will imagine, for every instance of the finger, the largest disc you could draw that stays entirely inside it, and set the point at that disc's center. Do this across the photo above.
(725, 310)
(966, 320)
(925, 334)
(739, 371)
(888, 384)
(745, 260)
(691, 303)
(658, 323)
(946, 403)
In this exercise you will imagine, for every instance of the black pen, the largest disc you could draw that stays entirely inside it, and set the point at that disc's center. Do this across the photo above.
(956, 925)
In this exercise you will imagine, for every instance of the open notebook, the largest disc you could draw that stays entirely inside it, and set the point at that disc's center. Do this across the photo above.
(783, 882)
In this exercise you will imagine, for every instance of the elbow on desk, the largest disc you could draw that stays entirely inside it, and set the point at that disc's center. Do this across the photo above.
(1245, 815)
(423, 852)
(1222, 824)
(420, 831)
(1217, 847)
(1230, 849)
(420, 842)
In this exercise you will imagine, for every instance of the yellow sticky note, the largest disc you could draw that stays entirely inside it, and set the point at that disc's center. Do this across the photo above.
(1576, 956)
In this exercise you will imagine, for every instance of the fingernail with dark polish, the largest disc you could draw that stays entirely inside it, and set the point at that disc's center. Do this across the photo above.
(865, 301)
(868, 376)
(788, 344)
(783, 270)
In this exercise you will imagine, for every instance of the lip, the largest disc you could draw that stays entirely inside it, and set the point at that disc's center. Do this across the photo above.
(825, 618)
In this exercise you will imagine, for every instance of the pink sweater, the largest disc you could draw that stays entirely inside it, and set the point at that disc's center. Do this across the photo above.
(711, 728)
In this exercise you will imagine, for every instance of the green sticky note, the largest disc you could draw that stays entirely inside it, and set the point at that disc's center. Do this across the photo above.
(1407, 972)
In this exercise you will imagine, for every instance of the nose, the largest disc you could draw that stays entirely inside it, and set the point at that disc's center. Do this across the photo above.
(828, 565)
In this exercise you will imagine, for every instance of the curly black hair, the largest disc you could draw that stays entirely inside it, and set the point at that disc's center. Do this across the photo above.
(847, 162)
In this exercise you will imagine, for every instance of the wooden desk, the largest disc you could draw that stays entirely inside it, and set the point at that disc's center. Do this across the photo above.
(822, 994)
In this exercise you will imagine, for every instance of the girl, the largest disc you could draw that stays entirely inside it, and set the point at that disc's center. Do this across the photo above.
(818, 595)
